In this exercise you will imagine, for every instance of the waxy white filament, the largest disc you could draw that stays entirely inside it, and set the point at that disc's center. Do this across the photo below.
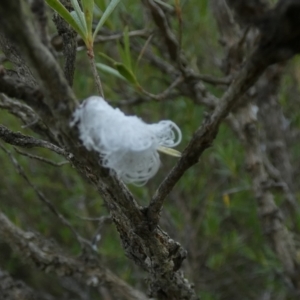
(126, 144)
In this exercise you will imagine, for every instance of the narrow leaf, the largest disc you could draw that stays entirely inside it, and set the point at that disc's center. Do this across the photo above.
(79, 23)
(107, 58)
(80, 16)
(63, 12)
(169, 151)
(111, 6)
(127, 49)
(101, 4)
(109, 70)
(125, 72)
(88, 9)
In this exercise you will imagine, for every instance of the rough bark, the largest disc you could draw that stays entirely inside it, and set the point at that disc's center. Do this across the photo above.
(143, 240)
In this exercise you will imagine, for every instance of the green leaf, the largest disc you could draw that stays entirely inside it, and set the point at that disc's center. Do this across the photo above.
(125, 72)
(110, 70)
(122, 69)
(101, 4)
(127, 61)
(88, 9)
(80, 17)
(112, 5)
(67, 16)
(79, 23)
(107, 58)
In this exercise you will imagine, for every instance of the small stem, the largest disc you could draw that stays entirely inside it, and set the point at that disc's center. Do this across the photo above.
(91, 57)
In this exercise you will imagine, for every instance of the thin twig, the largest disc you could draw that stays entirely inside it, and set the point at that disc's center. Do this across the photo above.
(192, 87)
(206, 133)
(211, 79)
(118, 36)
(28, 116)
(98, 83)
(98, 219)
(51, 258)
(97, 236)
(162, 23)
(43, 159)
(18, 109)
(100, 38)
(21, 140)
(43, 198)
(142, 99)
(143, 50)
(165, 93)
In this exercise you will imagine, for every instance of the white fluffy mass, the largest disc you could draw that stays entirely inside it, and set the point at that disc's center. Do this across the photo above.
(126, 144)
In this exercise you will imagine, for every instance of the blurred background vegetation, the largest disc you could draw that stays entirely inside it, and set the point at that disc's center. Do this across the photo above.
(211, 212)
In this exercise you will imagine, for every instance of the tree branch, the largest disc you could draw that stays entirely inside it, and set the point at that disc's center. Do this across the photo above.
(21, 140)
(269, 213)
(154, 252)
(69, 42)
(58, 94)
(43, 159)
(83, 242)
(162, 23)
(15, 87)
(50, 258)
(27, 115)
(282, 44)
(12, 289)
(271, 217)
(207, 132)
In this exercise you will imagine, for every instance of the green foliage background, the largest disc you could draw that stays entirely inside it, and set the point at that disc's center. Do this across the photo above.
(211, 212)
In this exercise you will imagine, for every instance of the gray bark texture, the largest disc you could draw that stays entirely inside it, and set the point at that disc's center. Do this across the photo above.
(39, 93)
